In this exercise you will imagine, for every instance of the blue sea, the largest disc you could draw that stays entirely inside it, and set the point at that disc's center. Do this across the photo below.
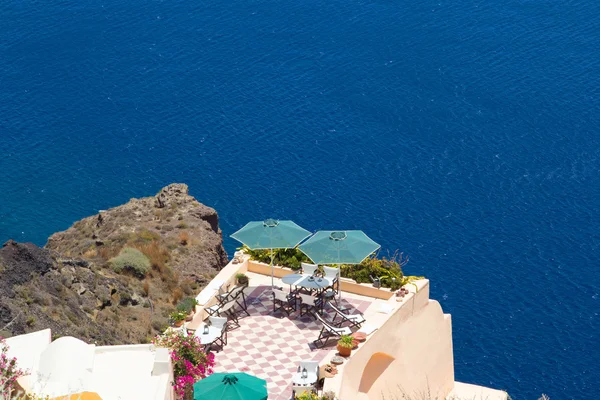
(464, 133)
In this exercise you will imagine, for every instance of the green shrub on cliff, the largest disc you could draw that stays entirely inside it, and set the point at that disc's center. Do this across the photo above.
(133, 260)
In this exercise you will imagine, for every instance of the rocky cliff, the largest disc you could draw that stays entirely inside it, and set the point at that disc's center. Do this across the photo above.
(77, 285)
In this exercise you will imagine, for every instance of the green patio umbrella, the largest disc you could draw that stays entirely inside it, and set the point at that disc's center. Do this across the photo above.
(339, 247)
(230, 386)
(271, 234)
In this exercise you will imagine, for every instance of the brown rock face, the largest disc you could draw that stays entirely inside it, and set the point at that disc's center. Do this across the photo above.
(73, 287)
(168, 218)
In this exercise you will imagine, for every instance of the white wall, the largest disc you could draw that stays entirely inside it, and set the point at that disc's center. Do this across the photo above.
(27, 348)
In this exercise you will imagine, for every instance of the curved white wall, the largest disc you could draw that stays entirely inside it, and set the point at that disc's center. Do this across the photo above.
(64, 367)
(411, 352)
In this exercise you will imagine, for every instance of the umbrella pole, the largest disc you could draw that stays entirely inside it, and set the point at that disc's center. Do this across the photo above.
(339, 283)
(272, 271)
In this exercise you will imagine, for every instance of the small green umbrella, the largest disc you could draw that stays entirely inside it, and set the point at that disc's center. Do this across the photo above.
(339, 247)
(271, 234)
(230, 386)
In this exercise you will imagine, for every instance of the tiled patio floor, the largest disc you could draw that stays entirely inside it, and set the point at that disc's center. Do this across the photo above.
(270, 345)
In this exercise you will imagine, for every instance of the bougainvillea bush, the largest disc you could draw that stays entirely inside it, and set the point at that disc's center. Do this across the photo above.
(9, 371)
(190, 362)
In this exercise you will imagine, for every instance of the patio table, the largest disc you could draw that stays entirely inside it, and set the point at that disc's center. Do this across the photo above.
(210, 337)
(291, 279)
(312, 282)
(306, 281)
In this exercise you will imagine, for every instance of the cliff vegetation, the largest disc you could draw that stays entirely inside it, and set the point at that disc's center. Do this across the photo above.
(113, 277)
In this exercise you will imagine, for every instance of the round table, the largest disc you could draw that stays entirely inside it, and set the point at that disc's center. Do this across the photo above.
(313, 282)
(211, 336)
(291, 278)
(306, 281)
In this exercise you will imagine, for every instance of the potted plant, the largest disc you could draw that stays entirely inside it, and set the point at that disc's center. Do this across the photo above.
(345, 345)
(329, 395)
(178, 317)
(307, 396)
(188, 306)
(242, 279)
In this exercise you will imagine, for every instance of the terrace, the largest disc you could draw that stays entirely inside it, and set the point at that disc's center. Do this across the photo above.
(271, 344)
(408, 353)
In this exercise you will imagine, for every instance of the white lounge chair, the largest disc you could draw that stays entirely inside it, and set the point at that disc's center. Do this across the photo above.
(328, 331)
(355, 320)
(309, 269)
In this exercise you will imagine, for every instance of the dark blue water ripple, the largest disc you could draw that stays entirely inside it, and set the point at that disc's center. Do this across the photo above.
(463, 133)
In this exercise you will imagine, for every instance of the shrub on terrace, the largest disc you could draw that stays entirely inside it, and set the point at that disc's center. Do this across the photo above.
(190, 362)
(289, 258)
(387, 269)
(9, 372)
(130, 259)
(187, 305)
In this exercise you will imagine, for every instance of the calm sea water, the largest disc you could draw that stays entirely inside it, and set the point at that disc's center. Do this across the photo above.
(464, 133)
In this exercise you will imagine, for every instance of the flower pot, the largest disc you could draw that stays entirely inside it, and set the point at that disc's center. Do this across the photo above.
(189, 317)
(344, 351)
(178, 324)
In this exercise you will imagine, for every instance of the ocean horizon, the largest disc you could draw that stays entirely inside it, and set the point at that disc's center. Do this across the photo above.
(463, 134)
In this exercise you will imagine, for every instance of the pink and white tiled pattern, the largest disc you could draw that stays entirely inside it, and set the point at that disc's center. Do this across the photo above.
(270, 345)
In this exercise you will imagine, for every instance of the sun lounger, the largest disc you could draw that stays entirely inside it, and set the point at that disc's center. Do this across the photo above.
(329, 331)
(353, 320)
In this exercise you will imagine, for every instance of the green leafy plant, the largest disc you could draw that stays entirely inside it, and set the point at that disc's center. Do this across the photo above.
(178, 316)
(329, 395)
(133, 260)
(242, 279)
(144, 235)
(346, 341)
(308, 396)
(409, 280)
(288, 258)
(387, 269)
(187, 305)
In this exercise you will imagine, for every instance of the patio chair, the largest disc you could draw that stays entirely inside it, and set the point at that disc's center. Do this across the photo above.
(283, 301)
(329, 295)
(227, 309)
(219, 323)
(309, 269)
(330, 274)
(354, 320)
(237, 294)
(309, 304)
(329, 331)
